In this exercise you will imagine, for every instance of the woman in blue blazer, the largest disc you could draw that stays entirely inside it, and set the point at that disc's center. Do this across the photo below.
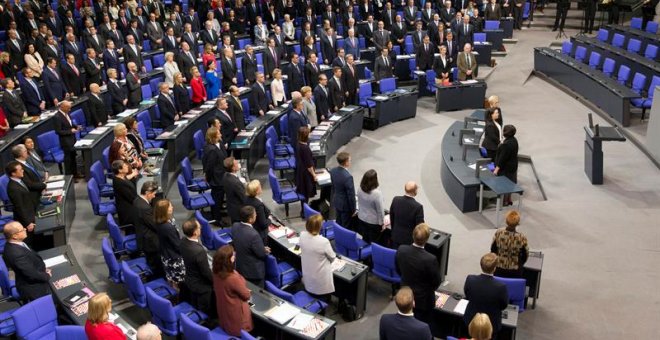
(212, 81)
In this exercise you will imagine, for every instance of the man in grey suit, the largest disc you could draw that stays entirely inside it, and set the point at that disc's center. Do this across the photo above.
(250, 250)
(154, 32)
(381, 37)
(467, 64)
(383, 65)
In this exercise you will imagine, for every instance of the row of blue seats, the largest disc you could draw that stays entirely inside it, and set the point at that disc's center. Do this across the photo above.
(651, 26)
(634, 45)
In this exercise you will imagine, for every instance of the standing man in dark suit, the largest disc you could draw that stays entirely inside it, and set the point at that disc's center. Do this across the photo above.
(329, 46)
(343, 190)
(98, 112)
(425, 54)
(485, 294)
(16, 50)
(169, 111)
(94, 41)
(337, 91)
(562, 11)
(398, 33)
(452, 48)
(111, 58)
(214, 170)
(388, 16)
(295, 74)
(30, 272)
(312, 71)
(381, 37)
(186, 60)
(272, 58)
(31, 177)
(198, 279)
(258, 100)
(133, 53)
(465, 32)
(249, 247)
(74, 80)
(53, 85)
(350, 80)
(383, 66)
(236, 107)
(228, 129)
(321, 99)
(419, 270)
(34, 98)
(297, 119)
(67, 132)
(192, 20)
(405, 214)
(234, 189)
(133, 83)
(92, 66)
(249, 66)
(229, 69)
(403, 324)
(21, 193)
(145, 226)
(12, 103)
(118, 94)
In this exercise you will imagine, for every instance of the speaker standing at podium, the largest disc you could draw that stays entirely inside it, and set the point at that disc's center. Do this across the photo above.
(506, 159)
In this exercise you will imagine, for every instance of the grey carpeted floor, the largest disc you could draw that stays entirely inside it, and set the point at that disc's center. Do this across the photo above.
(601, 243)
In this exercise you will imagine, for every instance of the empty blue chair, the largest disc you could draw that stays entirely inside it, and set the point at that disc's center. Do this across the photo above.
(430, 81)
(623, 75)
(148, 143)
(147, 65)
(4, 180)
(37, 320)
(617, 40)
(301, 299)
(479, 37)
(639, 80)
(138, 265)
(603, 35)
(105, 158)
(166, 316)
(636, 22)
(566, 47)
(193, 202)
(284, 129)
(78, 118)
(384, 265)
(136, 288)
(634, 45)
(492, 25)
(105, 188)
(580, 53)
(194, 184)
(158, 60)
(280, 274)
(367, 73)
(198, 142)
(122, 244)
(192, 330)
(412, 66)
(7, 285)
(608, 66)
(387, 85)
(7, 327)
(349, 245)
(279, 163)
(212, 239)
(282, 196)
(652, 27)
(99, 208)
(594, 60)
(516, 290)
(645, 103)
(651, 52)
(364, 96)
(153, 84)
(281, 149)
(49, 144)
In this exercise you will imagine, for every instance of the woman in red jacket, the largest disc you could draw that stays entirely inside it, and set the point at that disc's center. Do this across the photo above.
(97, 326)
(198, 89)
(231, 293)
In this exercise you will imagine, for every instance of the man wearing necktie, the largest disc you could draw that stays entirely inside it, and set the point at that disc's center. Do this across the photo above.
(73, 79)
(30, 272)
(12, 103)
(167, 106)
(92, 68)
(31, 179)
(465, 32)
(66, 130)
(32, 95)
(424, 55)
(467, 64)
(383, 66)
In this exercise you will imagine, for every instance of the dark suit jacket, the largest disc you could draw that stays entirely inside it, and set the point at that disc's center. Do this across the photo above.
(447, 16)
(169, 46)
(405, 214)
(185, 63)
(381, 70)
(493, 12)
(419, 270)
(14, 108)
(343, 190)
(134, 90)
(227, 128)
(486, 295)
(388, 20)
(125, 194)
(63, 129)
(97, 46)
(321, 102)
(69, 49)
(249, 67)
(263, 222)
(31, 98)
(98, 111)
(235, 194)
(312, 75)
(398, 33)
(29, 269)
(212, 160)
(295, 77)
(350, 80)
(250, 252)
(92, 73)
(507, 156)
(296, 120)
(53, 85)
(208, 38)
(194, 22)
(170, 241)
(199, 278)
(16, 54)
(258, 100)
(397, 326)
(117, 95)
(338, 62)
(236, 112)
(129, 56)
(23, 202)
(32, 179)
(381, 39)
(329, 51)
(111, 62)
(74, 82)
(491, 136)
(145, 227)
(181, 98)
(424, 57)
(229, 71)
(168, 110)
(337, 94)
(453, 53)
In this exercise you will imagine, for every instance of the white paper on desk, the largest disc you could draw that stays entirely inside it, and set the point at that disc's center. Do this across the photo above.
(335, 118)
(294, 240)
(300, 321)
(277, 233)
(380, 97)
(83, 142)
(337, 264)
(54, 261)
(282, 313)
(112, 317)
(181, 122)
(111, 124)
(206, 106)
(124, 114)
(55, 185)
(468, 140)
(54, 178)
(22, 126)
(158, 68)
(467, 82)
(460, 306)
(323, 178)
(123, 329)
(272, 112)
(478, 129)
(99, 130)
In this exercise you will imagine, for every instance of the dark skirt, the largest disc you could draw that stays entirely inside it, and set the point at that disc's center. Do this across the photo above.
(370, 232)
(304, 181)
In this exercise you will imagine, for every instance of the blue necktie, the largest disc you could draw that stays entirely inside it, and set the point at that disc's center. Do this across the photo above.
(31, 168)
(36, 89)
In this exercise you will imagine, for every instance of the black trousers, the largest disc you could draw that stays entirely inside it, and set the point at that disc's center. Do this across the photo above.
(343, 218)
(218, 194)
(560, 17)
(590, 16)
(70, 165)
(517, 17)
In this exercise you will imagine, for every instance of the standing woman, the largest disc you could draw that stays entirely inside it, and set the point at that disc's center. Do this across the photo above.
(181, 95)
(208, 55)
(316, 256)
(98, 325)
(170, 241)
(212, 80)
(494, 102)
(277, 88)
(309, 107)
(170, 68)
(134, 137)
(122, 148)
(492, 136)
(6, 67)
(442, 67)
(33, 60)
(198, 88)
(231, 293)
(262, 223)
(511, 248)
(34, 159)
(124, 190)
(305, 172)
(506, 160)
(371, 213)
(212, 162)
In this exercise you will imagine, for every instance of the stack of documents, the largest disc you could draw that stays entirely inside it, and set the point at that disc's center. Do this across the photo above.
(282, 313)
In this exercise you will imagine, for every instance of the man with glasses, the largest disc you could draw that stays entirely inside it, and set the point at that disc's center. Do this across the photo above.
(29, 269)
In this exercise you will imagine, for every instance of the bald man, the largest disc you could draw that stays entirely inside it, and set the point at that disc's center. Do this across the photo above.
(148, 331)
(29, 268)
(98, 111)
(405, 214)
(66, 130)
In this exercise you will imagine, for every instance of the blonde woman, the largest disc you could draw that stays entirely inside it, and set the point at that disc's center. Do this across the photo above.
(308, 105)
(98, 326)
(277, 88)
(480, 327)
(170, 68)
(317, 256)
(262, 223)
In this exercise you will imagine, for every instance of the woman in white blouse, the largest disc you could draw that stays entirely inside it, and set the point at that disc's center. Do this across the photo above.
(277, 88)
(33, 60)
(260, 33)
(316, 256)
(308, 105)
(289, 30)
(170, 68)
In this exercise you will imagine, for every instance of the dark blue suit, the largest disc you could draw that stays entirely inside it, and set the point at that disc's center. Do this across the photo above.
(486, 295)
(53, 86)
(112, 62)
(168, 110)
(397, 326)
(250, 250)
(296, 120)
(31, 98)
(343, 199)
